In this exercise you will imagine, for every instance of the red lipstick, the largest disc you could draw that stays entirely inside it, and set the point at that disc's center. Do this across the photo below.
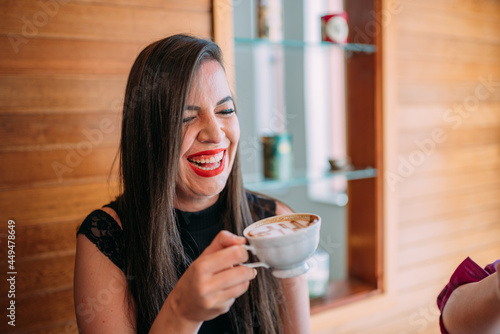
(202, 171)
(209, 152)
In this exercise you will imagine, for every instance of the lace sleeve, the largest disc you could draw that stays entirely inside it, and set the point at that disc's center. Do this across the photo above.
(103, 231)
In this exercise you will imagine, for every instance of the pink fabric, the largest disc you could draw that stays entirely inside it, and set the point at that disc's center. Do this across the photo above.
(467, 272)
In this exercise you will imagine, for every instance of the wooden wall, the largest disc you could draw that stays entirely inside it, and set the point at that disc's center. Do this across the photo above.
(63, 67)
(442, 117)
(63, 70)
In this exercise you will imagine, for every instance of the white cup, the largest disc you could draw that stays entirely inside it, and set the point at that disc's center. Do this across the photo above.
(284, 243)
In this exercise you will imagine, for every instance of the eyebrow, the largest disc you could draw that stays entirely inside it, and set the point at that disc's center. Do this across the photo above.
(224, 100)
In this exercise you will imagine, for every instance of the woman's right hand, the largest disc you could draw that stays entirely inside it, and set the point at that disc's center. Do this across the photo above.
(213, 281)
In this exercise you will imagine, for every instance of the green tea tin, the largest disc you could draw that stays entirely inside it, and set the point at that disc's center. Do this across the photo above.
(277, 151)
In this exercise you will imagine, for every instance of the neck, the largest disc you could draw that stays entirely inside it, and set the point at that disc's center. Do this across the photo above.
(195, 204)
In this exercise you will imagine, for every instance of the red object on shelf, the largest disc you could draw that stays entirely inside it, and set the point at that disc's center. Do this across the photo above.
(334, 28)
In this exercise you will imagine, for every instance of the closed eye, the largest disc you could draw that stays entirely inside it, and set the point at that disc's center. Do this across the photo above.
(226, 112)
(188, 119)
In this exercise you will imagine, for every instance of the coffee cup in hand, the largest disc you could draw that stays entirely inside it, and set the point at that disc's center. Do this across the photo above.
(284, 243)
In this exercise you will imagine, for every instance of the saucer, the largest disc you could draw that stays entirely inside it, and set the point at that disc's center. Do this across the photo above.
(288, 273)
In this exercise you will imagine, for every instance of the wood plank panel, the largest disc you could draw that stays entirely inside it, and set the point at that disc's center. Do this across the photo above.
(435, 23)
(183, 5)
(450, 93)
(35, 312)
(64, 327)
(63, 71)
(91, 21)
(54, 237)
(423, 274)
(434, 228)
(421, 185)
(23, 130)
(431, 70)
(418, 116)
(438, 205)
(436, 164)
(69, 56)
(61, 93)
(486, 9)
(443, 47)
(45, 167)
(55, 203)
(43, 275)
(424, 141)
(476, 240)
(410, 319)
(420, 46)
(402, 316)
(452, 160)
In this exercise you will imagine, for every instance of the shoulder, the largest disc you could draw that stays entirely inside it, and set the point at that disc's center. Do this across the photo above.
(467, 272)
(282, 208)
(112, 213)
(101, 219)
(100, 281)
(102, 228)
(99, 284)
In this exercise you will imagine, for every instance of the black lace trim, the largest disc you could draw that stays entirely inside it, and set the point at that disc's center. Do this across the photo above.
(103, 231)
(261, 207)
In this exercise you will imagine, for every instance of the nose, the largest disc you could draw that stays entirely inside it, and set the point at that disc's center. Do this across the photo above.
(211, 131)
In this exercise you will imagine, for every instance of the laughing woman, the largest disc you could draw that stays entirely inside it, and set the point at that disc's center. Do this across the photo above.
(164, 257)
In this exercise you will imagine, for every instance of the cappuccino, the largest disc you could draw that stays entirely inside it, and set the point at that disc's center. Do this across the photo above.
(284, 243)
(281, 227)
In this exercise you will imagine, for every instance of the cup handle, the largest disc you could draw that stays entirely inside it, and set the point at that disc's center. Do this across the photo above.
(255, 264)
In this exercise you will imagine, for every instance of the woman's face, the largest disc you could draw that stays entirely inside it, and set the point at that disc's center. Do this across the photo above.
(210, 137)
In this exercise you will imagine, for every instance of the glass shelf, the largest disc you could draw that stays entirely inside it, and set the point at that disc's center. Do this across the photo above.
(259, 183)
(354, 47)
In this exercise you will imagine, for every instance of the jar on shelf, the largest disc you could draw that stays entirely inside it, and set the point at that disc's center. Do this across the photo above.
(334, 28)
(277, 151)
(270, 20)
(318, 274)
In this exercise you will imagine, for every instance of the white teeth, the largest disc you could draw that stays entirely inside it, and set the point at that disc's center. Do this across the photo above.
(213, 159)
(205, 168)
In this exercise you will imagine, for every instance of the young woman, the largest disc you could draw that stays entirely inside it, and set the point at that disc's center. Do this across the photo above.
(164, 257)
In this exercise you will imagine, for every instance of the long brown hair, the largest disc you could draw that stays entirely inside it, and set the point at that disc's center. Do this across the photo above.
(156, 94)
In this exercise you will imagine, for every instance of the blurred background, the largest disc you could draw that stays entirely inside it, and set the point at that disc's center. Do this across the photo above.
(406, 107)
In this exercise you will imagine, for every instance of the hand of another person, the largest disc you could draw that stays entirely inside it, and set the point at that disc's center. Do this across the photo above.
(214, 280)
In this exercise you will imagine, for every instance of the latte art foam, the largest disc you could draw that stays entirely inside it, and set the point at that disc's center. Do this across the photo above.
(278, 228)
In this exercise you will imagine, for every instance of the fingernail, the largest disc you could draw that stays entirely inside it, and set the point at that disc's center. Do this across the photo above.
(240, 238)
(254, 273)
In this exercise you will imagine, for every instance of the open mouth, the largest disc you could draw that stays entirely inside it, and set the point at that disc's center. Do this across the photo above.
(208, 163)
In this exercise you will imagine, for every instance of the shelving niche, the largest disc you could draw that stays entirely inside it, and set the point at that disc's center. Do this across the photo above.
(362, 234)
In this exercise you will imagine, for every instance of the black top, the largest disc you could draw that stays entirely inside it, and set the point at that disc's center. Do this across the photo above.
(197, 230)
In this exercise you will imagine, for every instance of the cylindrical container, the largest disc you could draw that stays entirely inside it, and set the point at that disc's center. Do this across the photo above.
(270, 20)
(318, 274)
(277, 156)
(334, 28)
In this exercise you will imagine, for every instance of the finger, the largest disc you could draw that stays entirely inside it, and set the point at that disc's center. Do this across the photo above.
(229, 278)
(223, 240)
(224, 259)
(233, 292)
